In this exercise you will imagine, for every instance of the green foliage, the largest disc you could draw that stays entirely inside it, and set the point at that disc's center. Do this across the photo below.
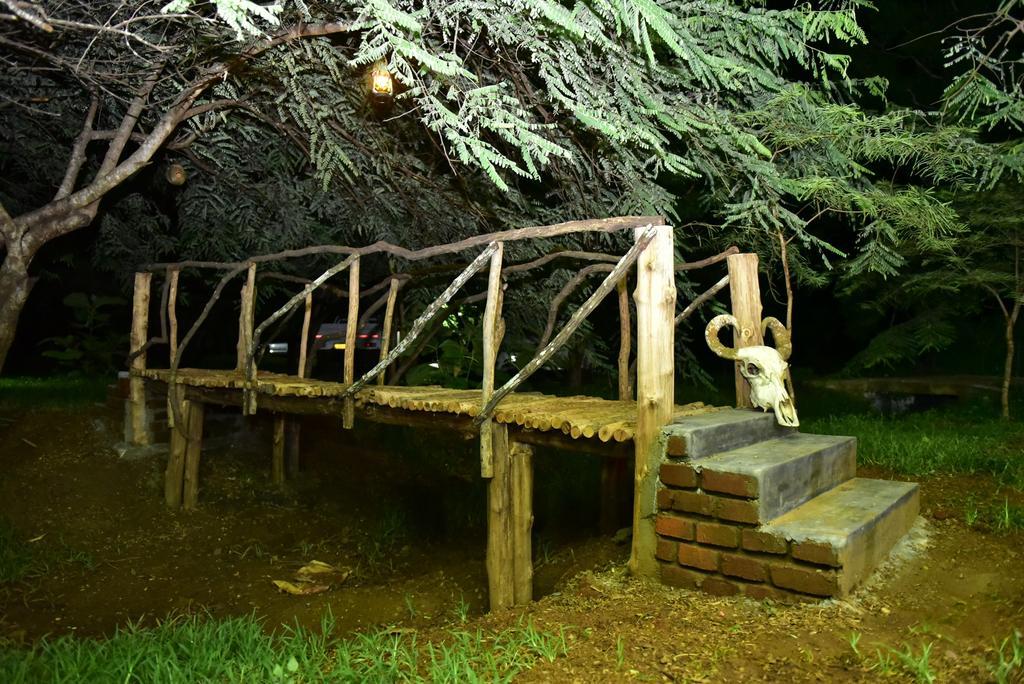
(91, 346)
(239, 650)
(456, 359)
(505, 113)
(928, 331)
(22, 560)
(1009, 659)
(15, 556)
(526, 111)
(986, 52)
(949, 279)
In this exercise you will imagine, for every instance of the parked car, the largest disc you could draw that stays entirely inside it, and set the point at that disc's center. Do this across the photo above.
(328, 349)
(331, 336)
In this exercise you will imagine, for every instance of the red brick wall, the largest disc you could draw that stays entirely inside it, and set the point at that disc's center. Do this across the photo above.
(708, 539)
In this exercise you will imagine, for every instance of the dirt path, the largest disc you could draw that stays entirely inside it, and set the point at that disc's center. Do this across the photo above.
(114, 553)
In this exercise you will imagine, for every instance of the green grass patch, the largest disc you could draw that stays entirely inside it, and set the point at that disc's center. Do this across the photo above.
(58, 391)
(16, 559)
(1001, 517)
(1008, 665)
(194, 649)
(24, 561)
(966, 439)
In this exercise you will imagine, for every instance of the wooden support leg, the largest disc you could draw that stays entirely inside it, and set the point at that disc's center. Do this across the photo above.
(277, 462)
(522, 522)
(500, 549)
(138, 432)
(294, 437)
(614, 478)
(193, 450)
(175, 473)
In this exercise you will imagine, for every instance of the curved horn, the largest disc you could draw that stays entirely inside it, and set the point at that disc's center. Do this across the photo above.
(783, 343)
(711, 335)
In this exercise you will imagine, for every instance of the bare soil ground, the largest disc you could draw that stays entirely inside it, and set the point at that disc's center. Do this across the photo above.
(416, 551)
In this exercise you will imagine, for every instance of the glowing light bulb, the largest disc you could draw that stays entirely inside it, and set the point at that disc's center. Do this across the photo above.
(381, 83)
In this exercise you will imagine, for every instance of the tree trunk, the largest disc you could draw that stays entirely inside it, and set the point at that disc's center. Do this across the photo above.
(1008, 363)
(15, 285)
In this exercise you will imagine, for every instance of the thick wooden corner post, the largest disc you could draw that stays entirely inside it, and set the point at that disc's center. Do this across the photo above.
(745, 293)
(506, 469)
(655, 298)
(351, 328)
(137, 429)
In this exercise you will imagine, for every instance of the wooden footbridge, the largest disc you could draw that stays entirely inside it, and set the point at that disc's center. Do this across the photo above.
(508, 423)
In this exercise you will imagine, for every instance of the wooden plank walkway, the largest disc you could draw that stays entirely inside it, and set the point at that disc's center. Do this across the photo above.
(578, 417)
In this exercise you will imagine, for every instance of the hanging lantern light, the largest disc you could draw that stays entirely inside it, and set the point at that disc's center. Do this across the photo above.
(381, 83)
(176, 174)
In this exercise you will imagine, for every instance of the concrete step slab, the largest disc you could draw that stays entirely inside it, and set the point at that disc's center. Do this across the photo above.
(710, 433)
(780, 474)
(851, 528)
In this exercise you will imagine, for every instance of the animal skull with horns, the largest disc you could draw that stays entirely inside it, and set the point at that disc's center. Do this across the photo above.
(763, 367)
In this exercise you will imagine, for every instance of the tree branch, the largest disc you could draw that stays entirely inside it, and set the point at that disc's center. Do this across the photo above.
(52, 220)
(606, 225)
(131, 117)
(78, 151)
(705, 296)
(29, 12)
(563, 294)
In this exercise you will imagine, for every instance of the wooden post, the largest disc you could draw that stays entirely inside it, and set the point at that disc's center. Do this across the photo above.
(193, 450)
(293, 427)
(277, 459)
(745, 293)
(491, 342)
(389, 315)
(522, 522)
(614, 485)
(351, 328)
(614, 471)
(246, 321)
(655, 298)
(138, 427)
(304, 340)
(625, 338)
(500, 544)
(293, 449)
(172, 316)
(174, 476)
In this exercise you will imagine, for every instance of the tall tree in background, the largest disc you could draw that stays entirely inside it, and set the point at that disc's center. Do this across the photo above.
(952, 277)
(504, 112)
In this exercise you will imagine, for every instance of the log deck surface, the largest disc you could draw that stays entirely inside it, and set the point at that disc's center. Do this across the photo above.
(579, 417)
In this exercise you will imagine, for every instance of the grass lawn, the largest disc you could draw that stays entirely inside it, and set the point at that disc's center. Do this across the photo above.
(52, 391)
(194, 649)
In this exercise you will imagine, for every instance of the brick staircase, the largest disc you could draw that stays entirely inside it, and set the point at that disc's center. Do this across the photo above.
(748, 507)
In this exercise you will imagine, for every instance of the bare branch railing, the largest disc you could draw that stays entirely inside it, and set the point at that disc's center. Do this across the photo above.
(250, 338)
